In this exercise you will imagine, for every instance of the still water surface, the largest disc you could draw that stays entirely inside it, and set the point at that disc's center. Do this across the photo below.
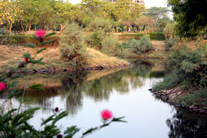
(124, 92)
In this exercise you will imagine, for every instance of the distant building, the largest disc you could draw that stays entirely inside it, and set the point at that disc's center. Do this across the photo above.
(137, 1)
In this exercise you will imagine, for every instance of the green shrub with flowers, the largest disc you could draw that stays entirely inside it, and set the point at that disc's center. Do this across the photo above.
(14, 123)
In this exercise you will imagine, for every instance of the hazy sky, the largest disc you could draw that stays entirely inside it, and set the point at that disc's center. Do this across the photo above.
(148, 3)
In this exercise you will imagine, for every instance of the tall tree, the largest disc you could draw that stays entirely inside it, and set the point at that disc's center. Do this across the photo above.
(191, 16)
(8, 13)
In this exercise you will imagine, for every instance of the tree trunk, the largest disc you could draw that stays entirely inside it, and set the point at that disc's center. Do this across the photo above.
(10, 27)
(30, 24)
(22, 26)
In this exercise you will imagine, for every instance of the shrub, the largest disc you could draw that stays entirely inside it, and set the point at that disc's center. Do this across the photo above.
(169, 42)
(196, 98)
(141, 46)
(23, 40)
(71, 46)
(111, 46)
(134, 44)
(100, 28)
(137, 36)
(188, 68)
(94, 40)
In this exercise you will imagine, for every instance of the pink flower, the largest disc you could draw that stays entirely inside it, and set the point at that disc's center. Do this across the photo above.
(26, 60)
(40, 33)
(3, 86)
(106, 114)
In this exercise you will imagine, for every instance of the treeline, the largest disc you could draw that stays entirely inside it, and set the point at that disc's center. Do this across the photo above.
(21, 16)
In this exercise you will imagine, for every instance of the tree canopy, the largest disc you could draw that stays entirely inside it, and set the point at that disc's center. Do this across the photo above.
(190, 15)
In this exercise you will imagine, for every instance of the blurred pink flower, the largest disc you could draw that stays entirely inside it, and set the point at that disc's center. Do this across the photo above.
(3, 86)
(26, 59)
(40, 33)
(106, 114)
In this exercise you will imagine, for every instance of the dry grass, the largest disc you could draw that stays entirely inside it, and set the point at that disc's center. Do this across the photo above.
(96, 58)
(11, 56)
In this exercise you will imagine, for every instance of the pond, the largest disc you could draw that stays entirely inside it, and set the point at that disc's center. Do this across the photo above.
(123, 91)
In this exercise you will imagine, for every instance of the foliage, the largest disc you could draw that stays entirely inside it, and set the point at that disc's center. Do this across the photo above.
(2, 31)
(156, 36)
(170, 30)
(94, 40)
(111, 46)
(189, 15)
(160, 17)
(100, 24)
(196, 98)
(23, 40)
(14, 123)
(170, 42)
(71, 46)
(137, 36)
(141, 46)
(188, 69)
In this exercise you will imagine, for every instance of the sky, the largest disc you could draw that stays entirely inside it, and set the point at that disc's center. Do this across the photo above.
(148, 3)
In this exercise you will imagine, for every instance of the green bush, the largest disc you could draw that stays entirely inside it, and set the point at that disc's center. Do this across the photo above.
(23, 40)
(188, 68)
(137, 36)
(71, 46)
(157, 36)
(141, 46)
(169, 42)
(94, 40)
(196, 98)
(111, 46)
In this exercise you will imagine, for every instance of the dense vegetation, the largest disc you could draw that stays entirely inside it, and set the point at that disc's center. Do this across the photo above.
(21, 16)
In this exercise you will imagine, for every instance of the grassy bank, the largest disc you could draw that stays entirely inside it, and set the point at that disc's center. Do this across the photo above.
(13, 55)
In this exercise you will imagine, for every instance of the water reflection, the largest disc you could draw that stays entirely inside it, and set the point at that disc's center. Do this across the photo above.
(99, 86)
(185, 124)
(71, 87)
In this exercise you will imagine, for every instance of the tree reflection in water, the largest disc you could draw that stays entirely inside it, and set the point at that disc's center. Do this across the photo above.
(185, 124)
(72, 87)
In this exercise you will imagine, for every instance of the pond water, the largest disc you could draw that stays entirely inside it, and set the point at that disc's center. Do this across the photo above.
(124, 92)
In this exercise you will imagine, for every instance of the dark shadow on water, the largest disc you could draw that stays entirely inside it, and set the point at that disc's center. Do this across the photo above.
(186, 124)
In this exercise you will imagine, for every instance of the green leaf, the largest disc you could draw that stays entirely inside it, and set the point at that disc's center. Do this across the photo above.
(118, 119)
(14, 93)
(38, 51)
(8, 115)
(32, 45)
(14, 84)
(90, 130)
(49, 41)
(37, 61)
(37, 87)
(15, 76)
(47, 120)
(71, 131)
(50, 34)
(27, 55)
(60, 116)
(34, 37)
